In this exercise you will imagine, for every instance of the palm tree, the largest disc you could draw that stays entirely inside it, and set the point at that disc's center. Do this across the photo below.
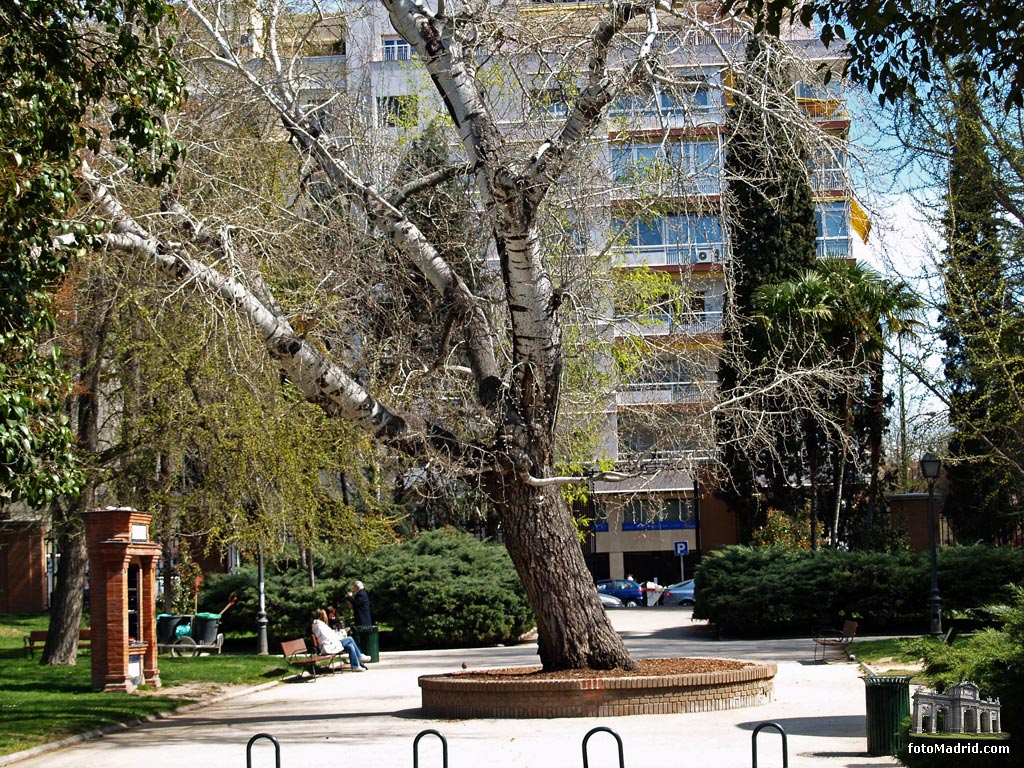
(842, 310)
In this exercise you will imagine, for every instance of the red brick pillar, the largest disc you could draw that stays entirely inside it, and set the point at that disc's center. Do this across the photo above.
(148, 620)
(117, 538)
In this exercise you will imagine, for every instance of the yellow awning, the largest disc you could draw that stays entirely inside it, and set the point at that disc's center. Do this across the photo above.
(859, 220)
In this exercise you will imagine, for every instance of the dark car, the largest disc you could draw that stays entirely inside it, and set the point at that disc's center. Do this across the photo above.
(680, 593)
(627, 591)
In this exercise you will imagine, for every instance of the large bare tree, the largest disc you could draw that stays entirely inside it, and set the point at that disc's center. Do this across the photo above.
(510, 344)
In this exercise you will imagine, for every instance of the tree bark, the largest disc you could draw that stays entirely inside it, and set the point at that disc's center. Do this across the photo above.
(66, 605)
(573, 629)
(69, 530)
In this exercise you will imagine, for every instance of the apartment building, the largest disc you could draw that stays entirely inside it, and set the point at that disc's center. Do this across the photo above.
(656, 206)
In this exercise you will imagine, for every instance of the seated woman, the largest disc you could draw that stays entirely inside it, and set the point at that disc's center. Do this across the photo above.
(330, 641)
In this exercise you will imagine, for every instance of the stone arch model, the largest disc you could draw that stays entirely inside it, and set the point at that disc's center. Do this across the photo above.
(961, 709)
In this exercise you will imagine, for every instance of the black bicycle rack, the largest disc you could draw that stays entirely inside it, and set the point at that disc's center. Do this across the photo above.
(416, 747)
(585, 746)
(753, 744)
(254, 739)
(600, 728)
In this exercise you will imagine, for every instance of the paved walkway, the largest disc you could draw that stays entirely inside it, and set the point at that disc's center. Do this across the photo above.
(371, 720)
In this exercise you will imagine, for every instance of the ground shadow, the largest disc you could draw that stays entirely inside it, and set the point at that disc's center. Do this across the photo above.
(837, 726)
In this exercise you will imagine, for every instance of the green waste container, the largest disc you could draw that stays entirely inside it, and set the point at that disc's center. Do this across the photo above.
(888, 705)
(204, 628)
(368, 639)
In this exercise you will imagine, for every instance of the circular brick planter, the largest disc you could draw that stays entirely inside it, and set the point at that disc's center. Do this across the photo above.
(470, 694)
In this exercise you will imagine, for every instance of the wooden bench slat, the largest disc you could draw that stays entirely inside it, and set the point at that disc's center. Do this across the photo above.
(37, 637)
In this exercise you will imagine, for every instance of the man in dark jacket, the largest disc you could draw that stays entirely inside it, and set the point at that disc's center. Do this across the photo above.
(360, 605)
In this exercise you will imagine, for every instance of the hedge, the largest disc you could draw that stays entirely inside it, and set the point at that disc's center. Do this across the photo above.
(439, 589)
(769, 590)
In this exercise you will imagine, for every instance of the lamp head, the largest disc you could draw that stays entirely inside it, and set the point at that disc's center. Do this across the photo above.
(930, 465)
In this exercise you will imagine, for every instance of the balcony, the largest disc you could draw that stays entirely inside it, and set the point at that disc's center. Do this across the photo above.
(666, 393)
(688, 324)
(668, 255)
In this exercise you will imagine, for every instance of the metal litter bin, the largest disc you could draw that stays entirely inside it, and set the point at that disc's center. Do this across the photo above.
(167, 627)
(204, 628)
(368, 639)
(888, 704)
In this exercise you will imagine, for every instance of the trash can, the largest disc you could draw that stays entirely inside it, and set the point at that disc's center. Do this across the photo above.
(169, 626)
(368, 639)
(204, 628)
(888, 704)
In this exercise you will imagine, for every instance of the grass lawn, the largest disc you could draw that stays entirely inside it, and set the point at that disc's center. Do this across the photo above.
(890, 654)
(42, 704)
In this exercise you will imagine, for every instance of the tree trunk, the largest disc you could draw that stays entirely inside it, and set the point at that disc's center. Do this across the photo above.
(573, 628)
(69, 529)
(66, 606)
(876, 431)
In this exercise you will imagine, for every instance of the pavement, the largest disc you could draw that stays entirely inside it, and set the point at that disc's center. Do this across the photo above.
(372, 720)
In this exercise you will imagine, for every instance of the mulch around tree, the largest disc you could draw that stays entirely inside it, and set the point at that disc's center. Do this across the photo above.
(648, 668)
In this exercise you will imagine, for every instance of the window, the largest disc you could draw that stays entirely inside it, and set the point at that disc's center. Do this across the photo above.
(828, 171)
(397, 111)
(396, 49)
(833, 229)
(687, 168)
(674, 239)
(657, 514)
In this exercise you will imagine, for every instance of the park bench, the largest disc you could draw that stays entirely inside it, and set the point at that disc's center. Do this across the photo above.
(826, 638)
(37, 637)
(297, 654)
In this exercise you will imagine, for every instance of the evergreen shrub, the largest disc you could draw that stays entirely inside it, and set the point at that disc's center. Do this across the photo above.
(439, 589)
(768, 590)
(445, 588)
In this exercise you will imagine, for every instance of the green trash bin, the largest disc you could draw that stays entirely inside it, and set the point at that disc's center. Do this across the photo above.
(368, 639)
(888, 705)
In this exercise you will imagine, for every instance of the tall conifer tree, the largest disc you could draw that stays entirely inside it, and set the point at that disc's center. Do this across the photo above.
(981, 328)
(772, 232)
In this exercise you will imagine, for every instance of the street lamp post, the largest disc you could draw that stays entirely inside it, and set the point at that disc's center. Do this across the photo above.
(930, 465)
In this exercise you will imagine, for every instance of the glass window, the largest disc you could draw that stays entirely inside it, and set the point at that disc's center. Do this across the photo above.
(396, 49)
(832, 219)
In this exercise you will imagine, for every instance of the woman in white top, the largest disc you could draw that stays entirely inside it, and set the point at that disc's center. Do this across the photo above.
(330, 641)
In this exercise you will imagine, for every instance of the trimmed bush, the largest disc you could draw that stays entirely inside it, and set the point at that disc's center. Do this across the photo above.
(447, 589)
(770, 590)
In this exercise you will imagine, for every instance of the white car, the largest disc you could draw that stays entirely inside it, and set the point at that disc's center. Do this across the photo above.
(610, 601)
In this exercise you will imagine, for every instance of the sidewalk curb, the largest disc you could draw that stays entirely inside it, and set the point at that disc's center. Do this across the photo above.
(42, 749)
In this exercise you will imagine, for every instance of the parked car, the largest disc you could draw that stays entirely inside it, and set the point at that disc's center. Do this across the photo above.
(680, 593)
(627, 591)
(610, 601)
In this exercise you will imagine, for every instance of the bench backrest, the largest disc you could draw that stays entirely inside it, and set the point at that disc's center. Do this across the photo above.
(37, 636)
(292, 647)
(85, 634)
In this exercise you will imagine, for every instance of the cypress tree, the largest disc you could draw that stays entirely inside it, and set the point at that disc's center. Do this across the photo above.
(772, 235)
(981, 327)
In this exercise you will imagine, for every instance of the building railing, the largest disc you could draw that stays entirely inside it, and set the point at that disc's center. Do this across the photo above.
(666, 392)
(665, 255)
(685, 324)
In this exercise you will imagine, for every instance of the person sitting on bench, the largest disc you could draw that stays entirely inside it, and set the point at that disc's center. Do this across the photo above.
(332, 642)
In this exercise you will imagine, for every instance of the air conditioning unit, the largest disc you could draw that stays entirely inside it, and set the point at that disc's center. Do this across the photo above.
(705, 257)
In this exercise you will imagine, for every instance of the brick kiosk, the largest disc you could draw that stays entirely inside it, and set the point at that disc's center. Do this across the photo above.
(122, 587)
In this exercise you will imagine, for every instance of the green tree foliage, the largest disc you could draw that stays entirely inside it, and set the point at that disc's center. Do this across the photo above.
(764, 590)
(982, 325)
(992, 659)
(62, 59)
(901, 47)
(844, 313)
(773, 231)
